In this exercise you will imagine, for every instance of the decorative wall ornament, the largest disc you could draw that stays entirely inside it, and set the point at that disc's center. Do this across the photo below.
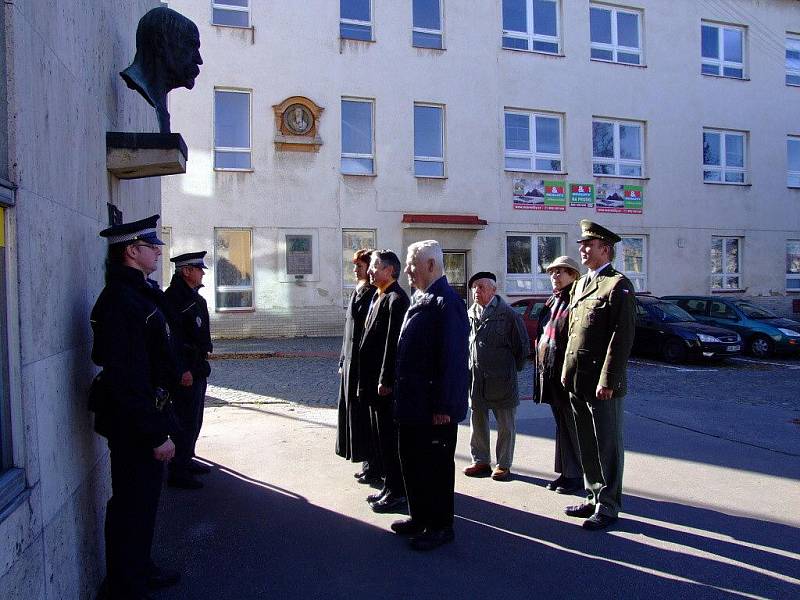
(297, 125)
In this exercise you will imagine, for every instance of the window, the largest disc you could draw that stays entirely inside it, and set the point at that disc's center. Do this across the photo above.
(352, 240)
(355, 20)
(793, 265)
(724, 156)
(527, 255)
(427, 24)
(358, 157)
(233, 269)
(793, 161)
(455, 268)
(531, 25)
(428, 140)
(232, 144)
(233, 13)
(631, 260)
(694, 307)
(616, 34)
(792, 59)
(721, 310)
(725, 262)
(722, 50)
(617, 148)
(166, 251)
(532, 142)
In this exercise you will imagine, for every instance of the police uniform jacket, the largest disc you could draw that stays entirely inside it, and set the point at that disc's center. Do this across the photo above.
(190, 314)
(132, 345)
(601, 331)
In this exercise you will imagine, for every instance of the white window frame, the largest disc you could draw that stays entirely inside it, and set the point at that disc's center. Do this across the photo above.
(370, 156)
(235, 288)
(614, 46)
(167, 266)
(617, 161)
(224, 149)
(790, 173)
(529, 36)
(639, 280)
(532, 154)
(435, 159)
(348, 285)
(439, 32)
(791, 276)
(724, 262)
(369, 24)
(533, 277)
(795, 37)
(222, 5)
(721, 63)
(723, 168)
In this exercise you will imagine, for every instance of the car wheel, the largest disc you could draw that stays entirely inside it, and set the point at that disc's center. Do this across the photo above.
(674, 350)
(760, 346)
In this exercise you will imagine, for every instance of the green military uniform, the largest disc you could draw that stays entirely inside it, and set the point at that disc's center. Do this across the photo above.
(601, 330)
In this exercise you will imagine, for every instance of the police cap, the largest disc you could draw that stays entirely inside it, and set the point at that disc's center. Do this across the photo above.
(143, 230)
(190, 259)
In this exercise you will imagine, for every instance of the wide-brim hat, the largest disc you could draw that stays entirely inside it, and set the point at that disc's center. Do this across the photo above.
(190, 259)
(592, 231)
(565, 262)
(481, 275)
(143, 230)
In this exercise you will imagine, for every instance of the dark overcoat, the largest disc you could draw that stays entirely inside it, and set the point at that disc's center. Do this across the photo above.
(191, 318)
(548, 367)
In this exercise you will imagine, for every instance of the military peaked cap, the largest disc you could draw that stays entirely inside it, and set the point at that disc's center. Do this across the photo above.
(126, 233)
(481, 275)
(190, 259)
(593, 231)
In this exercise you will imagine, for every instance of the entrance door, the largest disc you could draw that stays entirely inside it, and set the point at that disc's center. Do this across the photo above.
(455, 268)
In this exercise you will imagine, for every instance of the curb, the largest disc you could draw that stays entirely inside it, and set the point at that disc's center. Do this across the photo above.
(269, 354)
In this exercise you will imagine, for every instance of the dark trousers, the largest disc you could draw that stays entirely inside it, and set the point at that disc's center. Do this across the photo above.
(131, 517)
(427, 458)
(188, 403)
(384, 431)
(567, 461)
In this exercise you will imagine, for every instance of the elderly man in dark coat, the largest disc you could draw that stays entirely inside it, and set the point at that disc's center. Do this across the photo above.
(498, 346)
(430, 396)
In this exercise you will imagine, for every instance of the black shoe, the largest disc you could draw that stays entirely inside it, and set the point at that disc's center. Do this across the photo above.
(582, 511)
(407, 527)
(555, 483)
(370, 479)
(599, 521)
(569, 485)
(185, 482)
(432, 538)
(197, 468)
(158, 578)
(389, 504)
(372, 498)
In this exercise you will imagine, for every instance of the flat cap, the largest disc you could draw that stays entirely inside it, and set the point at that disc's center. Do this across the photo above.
(125, 233)
(593, 231)
(481, 275)
(190, 259)
(565, 262)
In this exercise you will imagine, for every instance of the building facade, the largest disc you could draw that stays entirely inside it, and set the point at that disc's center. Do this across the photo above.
(494, 127)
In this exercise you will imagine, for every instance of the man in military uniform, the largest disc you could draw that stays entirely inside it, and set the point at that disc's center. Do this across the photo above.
(191, 320)
(601, 330)
(131, 404)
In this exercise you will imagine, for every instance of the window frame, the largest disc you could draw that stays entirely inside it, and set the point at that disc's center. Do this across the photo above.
(791, 276)
(357, 155)
(430, 159)
(616, 160)
(533, 276)
(789, 172)
(234, 288)
(348, 285)
(529, 36)
(532, 154)
(438, 32)
(619, 262)
(721, 63)
(723, 168)
(232, 149)
(789, 71)
(614, 47)
(222, 5)
(723, 261)
(370, 24)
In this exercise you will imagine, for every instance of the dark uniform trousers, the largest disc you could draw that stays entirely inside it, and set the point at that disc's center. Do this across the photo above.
(384, 438)
(188, 404)
(427, 457)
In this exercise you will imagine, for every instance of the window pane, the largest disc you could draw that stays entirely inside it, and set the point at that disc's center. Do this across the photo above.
(232, 160)
(712, 176)
(543, 164)
(356, 127)
(793, 54)
(523, 164)
(239, 3)
(630, 171)
(357, 166)
(549, 248)
(545, 47)
(548, 138)
(232, 257)
(516, 43)
(716, 255)
(426, 40)
(235, 299)
(734, 177)
(602, 54)
(355, 32)
(600, 25)
(358, 10)
(793, 257)
(231, 119)
(518, 254)
(732, 40)
(732, 255)
(517, 132)
(732, 283)
(426, 14)
(711, 148)
(732, 72)
(428, 168)
(630, 142)
(544, 17)
(633, 255)
(603, 169)
(233, 18)
(710, 69)
(515, 16)
(710, 41)
(734, 150)
(793, 180)
(427, 131)
(628, 58)
(793, 154)
(793, 80)
(602, 139)
(628, 29)
(793, 284)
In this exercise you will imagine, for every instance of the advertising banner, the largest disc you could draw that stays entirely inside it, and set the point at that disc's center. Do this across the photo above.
(618, 198)
(581, 195)
(536, 194)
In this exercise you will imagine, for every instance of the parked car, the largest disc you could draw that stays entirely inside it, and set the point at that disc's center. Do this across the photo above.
(667, 330)
(530, 309)
(764, 333)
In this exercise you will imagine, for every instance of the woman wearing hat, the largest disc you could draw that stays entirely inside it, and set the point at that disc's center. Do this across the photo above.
(550, 348)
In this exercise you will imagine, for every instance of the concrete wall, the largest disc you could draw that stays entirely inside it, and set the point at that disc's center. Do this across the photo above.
(64, 93)
(295, 50)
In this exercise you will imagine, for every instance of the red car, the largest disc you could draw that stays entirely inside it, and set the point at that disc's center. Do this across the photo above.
(530, 309)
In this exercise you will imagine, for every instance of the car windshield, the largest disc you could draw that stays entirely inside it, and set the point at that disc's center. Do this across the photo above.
(751, 311)
(668, 313)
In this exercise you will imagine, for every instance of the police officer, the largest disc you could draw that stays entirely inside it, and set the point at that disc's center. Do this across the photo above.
(191, 320)
(131, 404)
(601, 330)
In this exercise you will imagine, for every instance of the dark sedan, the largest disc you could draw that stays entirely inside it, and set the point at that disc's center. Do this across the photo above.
(667, 330)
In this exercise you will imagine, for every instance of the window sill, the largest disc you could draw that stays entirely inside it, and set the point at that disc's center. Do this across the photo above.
(427, 48)
(346, 39)
(728, 183)
(793, 187)
(235, 310)
(359, 174)
(794, 85)
(430, 177)
(554, 173)
(737, 291)
(628, 177)
(614, 62)
(539, 52)
(725, 77)
(221, 170)
(248, 27)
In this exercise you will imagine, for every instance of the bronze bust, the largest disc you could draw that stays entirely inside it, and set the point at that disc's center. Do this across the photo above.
(167, 57)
